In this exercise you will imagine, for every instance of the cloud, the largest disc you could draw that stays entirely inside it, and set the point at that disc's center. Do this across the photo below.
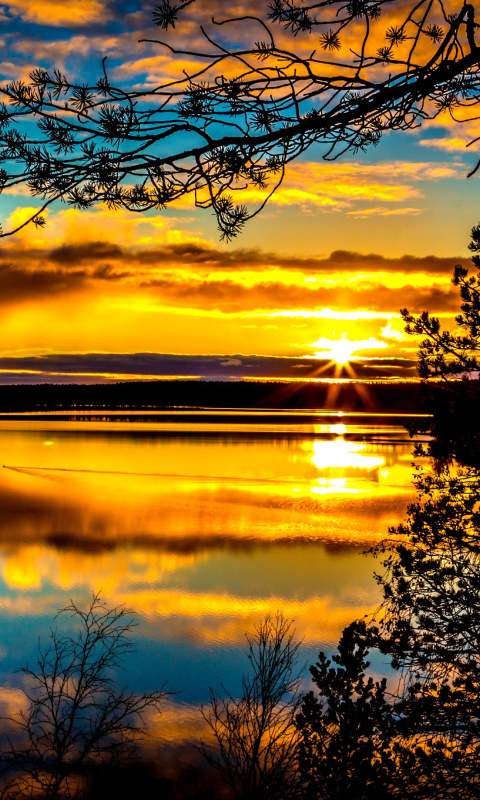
(451, 144)
(341, 184)
(75, 227)
(452, 133)
(311, 185)
(230, 296)
(232, 362)
(197, 276)
(22, 285)
(53, 13)
(68, 254)
(94, 366)
(76, 46)
(30, 566)
(384, 212)
(201, 256)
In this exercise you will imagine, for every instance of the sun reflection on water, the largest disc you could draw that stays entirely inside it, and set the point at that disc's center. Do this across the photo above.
(339, 428)
(341, 454)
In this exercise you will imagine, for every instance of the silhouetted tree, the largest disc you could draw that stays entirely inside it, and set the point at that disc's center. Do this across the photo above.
(432, 581)
(430, 626)
(429, 623)
(75, 716)
(339, 74)
(449, 363)
(439, 720)
(351, 744)
(358, 741)
(361, 742)
(256, 741)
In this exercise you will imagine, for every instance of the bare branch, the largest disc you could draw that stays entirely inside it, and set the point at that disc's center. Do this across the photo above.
(75, 715)
(256, 742)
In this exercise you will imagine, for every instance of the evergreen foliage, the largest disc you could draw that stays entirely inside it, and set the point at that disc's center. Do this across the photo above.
(331, 73)
(349, 729)
(448, 363)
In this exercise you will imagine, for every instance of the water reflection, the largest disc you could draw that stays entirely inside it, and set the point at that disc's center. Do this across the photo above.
(344, 455)
(200, 535)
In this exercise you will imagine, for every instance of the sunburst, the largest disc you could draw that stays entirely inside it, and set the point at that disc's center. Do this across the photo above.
(341, 350)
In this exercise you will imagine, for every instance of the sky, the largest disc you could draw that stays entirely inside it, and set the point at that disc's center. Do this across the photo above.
(313, 286)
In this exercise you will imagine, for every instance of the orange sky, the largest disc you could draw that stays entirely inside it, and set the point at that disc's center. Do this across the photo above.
(339, 249)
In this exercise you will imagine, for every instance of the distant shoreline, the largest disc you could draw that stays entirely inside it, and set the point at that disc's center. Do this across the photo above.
(168, 395)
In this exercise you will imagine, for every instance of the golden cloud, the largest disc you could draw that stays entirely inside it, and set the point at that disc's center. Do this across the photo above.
(29, 567)
(75, 227)
(384, 212)
(224, 618)
(341, 184)
(51, 12)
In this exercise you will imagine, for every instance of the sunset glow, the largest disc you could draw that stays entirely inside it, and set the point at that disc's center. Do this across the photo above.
(238, 401)
(340, 454)
(104, 295)
(239, 476)
(341, 351)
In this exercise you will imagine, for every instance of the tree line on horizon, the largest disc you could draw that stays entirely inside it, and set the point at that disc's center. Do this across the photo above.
(169, 394)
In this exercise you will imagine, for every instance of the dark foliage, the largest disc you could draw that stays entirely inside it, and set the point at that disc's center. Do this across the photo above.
(430, 619)
(164, 394)
(432, 583)
(75, 717)
(449, 365)
(350, 745)
(244, 112)
(423, 741)
(429, 626)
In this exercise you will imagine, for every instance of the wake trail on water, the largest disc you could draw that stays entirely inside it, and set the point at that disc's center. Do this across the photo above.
(34, 470)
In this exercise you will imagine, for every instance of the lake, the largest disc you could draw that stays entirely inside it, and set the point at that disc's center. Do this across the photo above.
(202, 523)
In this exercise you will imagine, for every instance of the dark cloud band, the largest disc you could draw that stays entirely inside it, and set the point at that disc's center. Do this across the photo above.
(94, 367)
(203, 257)
(27, 275)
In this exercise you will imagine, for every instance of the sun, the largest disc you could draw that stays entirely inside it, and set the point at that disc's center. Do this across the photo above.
(341, 350)
(337, 350)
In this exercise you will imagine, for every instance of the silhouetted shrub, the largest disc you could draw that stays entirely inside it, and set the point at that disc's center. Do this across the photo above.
(75, 717)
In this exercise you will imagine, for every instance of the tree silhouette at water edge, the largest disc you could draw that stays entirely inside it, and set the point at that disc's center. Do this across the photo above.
(75, 717)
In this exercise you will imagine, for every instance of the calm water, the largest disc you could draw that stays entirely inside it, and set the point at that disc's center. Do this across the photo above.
(201, 524)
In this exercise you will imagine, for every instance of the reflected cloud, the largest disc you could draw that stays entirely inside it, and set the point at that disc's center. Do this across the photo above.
(190, 495)
(11, 702)
(178, 724)
(200, 536)
(222, 619)
(209, 619)
(32, 567)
